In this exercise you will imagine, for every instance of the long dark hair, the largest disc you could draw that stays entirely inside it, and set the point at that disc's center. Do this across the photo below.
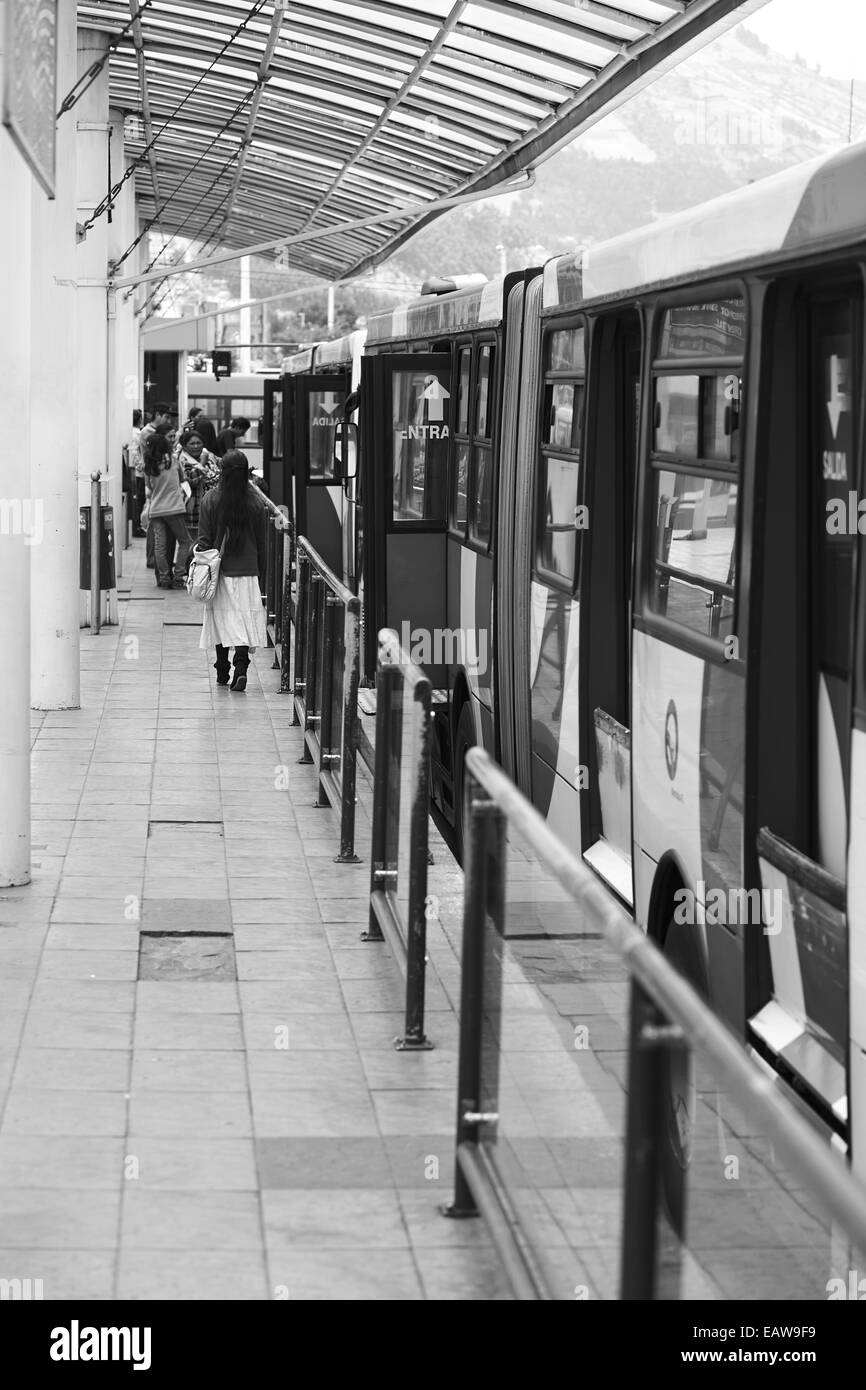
(235, 502)
(157, 452)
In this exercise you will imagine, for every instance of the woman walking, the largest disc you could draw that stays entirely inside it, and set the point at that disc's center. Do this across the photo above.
(163, 481)
(233, 511)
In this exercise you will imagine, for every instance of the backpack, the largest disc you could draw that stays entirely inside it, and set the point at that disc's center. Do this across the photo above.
(204, 573)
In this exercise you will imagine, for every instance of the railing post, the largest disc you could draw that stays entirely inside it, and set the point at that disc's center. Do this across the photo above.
(349, 746)
(476, 896)
(286, 623)
(301, 610)
(416, 927)
(638, 1271)
(95, 540)
(325, 683)
(385, 680)
(311, 656)
(274, 589)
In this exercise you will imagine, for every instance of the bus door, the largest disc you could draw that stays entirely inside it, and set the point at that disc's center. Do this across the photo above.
(546, 649)
(272, 442)
(811, 825)
(316, 408)
(405, 421)
(606, 594)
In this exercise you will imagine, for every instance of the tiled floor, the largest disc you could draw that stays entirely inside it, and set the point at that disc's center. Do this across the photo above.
(202, 1138)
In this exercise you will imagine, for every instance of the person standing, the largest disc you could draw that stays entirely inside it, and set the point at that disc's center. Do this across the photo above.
(204, 428)
(235, 513)
(162, 414)
(201, 471)
(232, 435)
(136, 468)
(163, 481)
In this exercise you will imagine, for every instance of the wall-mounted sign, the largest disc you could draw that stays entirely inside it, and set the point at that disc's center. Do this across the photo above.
(30, 83)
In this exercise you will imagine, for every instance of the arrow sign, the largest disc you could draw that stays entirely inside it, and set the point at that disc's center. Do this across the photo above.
(330, 402)
(838, 401)
(435, 394)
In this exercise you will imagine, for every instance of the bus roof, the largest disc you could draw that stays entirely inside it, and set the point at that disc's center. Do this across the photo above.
(440, 313)
(340, 349)
(300, 362)
(815, 204)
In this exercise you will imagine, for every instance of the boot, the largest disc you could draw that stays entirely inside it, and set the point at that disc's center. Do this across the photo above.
(221, 665)
(241, 662)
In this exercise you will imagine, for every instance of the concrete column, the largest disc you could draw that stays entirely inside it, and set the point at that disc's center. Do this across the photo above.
(91, 116)
(122, 330)
(54, 618)
(15, 508)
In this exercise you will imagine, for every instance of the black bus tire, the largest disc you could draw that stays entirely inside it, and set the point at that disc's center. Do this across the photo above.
(683, 950)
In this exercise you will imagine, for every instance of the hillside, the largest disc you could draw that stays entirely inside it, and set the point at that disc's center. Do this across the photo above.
(732, 113)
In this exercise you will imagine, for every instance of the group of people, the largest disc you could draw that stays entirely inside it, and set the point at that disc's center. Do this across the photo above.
(173, 470)
(196, 484)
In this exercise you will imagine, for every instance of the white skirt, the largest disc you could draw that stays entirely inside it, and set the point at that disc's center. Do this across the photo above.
(236, 618)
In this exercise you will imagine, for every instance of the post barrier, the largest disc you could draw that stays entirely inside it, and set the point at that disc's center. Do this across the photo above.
(326, 678)
(401, 812)
(667, 1021)
(95, 545)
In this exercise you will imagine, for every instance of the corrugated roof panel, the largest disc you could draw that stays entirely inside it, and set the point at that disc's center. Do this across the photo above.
(321, 99)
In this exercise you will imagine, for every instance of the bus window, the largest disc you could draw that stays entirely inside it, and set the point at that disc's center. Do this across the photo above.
(481, 486)
(460, 484)
(695, 530)
(559, 480)
(695, 466)
(417, 490)
(463, 392)
(324, 410)
(482, 392)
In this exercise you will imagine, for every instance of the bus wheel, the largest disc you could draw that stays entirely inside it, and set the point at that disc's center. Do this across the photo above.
(464, 740)
(682, 950)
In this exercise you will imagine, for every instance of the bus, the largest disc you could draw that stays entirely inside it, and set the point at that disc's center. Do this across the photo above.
(612, 507)
(226, 398)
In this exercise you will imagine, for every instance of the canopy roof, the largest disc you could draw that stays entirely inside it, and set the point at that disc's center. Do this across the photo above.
(257, 120)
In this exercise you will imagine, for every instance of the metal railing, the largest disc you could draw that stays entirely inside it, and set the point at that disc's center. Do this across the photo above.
(278, 585)
(401, 812)
(326, 677)
(666, 1017)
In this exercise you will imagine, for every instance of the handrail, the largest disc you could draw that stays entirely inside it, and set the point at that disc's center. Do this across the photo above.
(327, 620)
(666, 1012)
(395, 673)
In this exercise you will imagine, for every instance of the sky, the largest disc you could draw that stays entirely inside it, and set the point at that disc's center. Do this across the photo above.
(829, 32)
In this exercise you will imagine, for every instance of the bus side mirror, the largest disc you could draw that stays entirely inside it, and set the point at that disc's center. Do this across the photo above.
(345, 450)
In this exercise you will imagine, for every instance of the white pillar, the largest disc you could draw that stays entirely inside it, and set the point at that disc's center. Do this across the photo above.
(16, 181)
(245, 319)
(91, 115)
(54, 616)
(330, 306)
(122, 331)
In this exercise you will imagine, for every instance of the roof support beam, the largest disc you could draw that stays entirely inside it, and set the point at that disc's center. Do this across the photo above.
(445, 31)
(338, 228)
(262, 76)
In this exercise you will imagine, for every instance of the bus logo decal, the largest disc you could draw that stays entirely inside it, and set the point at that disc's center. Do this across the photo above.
(672, 740)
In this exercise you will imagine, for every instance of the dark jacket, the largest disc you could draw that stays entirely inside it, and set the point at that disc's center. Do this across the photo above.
(227, 439)
(244, 554)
